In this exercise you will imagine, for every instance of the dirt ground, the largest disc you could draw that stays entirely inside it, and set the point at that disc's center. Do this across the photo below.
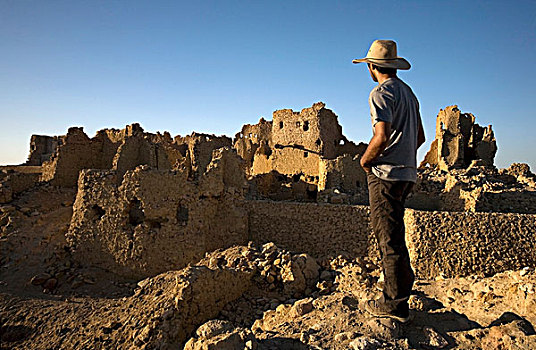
(261, 297)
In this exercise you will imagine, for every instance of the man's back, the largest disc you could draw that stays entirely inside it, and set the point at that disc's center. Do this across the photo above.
(394, 102)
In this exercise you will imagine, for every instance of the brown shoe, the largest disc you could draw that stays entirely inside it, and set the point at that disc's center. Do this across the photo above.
(372, 307)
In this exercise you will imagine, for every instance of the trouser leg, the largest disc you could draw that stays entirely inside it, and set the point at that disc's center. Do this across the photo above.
(387, 217)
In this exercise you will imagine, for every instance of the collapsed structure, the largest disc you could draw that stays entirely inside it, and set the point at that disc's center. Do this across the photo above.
(459, 141)
(149, 204)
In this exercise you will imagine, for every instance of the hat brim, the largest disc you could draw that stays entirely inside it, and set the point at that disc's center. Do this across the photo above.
(397, 63)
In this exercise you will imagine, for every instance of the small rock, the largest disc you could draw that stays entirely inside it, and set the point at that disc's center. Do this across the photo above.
(303, 307)
(50, 284)
(364, 343)
(39, 279)
(434, 339)
(213, 328)
(342, 336)
(304, 337)
(25, 210)
(383, 328)
(325, 275)
(524, 271)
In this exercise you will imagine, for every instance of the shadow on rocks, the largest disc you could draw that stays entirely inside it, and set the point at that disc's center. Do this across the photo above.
(282, 343)
(13, 334)
(431, 322)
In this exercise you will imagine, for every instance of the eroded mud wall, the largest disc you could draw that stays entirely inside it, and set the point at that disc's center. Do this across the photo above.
(459, 140)
(440, 243)
(463, 243)
(157, 221)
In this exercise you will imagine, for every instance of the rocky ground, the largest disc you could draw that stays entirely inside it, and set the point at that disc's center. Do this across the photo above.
(245, 297)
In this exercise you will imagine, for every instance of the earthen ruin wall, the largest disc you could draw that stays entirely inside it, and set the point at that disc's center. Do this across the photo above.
(463, 243)
(320, 230)
(440, 243)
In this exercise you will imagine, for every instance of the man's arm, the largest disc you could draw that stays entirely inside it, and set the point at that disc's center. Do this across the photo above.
(420, 135)
(382, 132)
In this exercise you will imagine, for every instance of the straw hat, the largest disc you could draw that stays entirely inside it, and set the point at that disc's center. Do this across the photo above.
(383, 54)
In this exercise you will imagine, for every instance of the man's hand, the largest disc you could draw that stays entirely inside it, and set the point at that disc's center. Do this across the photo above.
(382, 132)
(365, 166)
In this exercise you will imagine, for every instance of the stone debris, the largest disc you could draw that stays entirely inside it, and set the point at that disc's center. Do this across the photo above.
(217, 334)
(433, 339)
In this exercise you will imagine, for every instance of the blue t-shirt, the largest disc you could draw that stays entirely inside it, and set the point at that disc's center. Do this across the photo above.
(395, 103)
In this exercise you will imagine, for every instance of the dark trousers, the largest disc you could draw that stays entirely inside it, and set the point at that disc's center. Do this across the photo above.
(387, 217)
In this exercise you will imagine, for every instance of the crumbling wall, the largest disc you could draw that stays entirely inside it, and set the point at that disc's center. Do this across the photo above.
(459, 141)
(320, 230)
(119, 150)
(251, 138)
(13, 182)
(158, 220)
(78, 152)
(301, 138)
(200, 147)
(343, 173)
(303, 146)
(279, 187)
(453, 244)
(440, 243)
(42, 148)
(477, 188)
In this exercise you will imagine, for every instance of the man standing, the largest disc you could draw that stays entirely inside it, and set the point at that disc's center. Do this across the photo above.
(391, 166)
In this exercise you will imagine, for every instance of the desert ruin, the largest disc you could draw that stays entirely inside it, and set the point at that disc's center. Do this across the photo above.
(131, 240)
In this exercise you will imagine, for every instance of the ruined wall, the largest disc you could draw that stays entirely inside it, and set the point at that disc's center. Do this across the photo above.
(301, 138)
(452, 244)
(200, 147)
(13, 182)
(42, 148)
(476, 189)
(344, 173)
(317, 229)
(78, 152)
(119, 150)
(251, 138)
(297, 149)
(157, 220)
(459, 141)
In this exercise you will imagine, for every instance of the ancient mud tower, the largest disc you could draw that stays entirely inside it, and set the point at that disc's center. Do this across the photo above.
(194, 208)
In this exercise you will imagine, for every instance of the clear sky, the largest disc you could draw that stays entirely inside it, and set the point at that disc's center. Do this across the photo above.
(211, 66)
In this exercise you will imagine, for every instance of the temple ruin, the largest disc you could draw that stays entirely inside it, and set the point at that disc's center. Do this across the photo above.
(201, 213)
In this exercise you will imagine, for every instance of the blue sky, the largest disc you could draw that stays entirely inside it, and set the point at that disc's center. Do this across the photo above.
(212, 66)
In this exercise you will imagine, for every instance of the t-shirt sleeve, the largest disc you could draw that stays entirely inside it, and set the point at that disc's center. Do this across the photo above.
(381, 106)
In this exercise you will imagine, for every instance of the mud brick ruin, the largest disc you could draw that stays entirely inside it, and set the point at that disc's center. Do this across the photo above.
(149, 204)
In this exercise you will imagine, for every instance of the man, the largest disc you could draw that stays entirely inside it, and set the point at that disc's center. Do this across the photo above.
(391, 166)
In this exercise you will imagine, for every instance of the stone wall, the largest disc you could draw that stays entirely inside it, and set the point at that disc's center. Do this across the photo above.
(463, 243)
(252, 138)
(200, 148)
(155, 220)
(320, 230)
(79, 152)
(440, 243)
(13, 181)
(42, 148)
